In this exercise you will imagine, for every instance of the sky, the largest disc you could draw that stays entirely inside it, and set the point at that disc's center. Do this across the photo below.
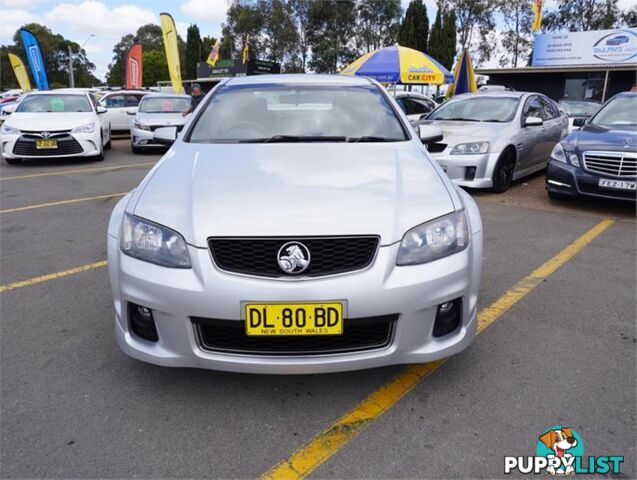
(109, 20)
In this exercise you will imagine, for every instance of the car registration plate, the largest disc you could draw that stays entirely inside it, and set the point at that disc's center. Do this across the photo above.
(616, 184)
(293, 319)
(40, 144)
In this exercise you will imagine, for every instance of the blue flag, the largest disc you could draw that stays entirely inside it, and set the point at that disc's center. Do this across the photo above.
(34, 54)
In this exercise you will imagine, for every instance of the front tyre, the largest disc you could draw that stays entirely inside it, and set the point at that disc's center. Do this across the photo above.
(100, 157)
(503, 172)
(109, 144)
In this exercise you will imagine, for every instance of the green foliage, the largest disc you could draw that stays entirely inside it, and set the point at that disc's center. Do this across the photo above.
(207, 43)
(55, 53)
(155, 67)
(442, 39)
(281, 37)
(378, 23)
(193, 51)
(151, 38)
(516, 34)
(414, 29)
(578, 15)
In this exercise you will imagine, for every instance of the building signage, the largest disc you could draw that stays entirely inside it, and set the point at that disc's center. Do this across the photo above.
(581, 48)
(236, 68)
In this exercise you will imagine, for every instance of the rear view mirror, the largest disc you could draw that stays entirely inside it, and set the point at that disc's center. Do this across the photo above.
(130, 112)
(101, 110)
(429, 134)
(533, 122)
(579, 122)
(165, 135)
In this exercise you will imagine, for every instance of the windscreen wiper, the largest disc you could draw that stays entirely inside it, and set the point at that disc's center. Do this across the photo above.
(372, 138)
(460, 119)
(294, 138)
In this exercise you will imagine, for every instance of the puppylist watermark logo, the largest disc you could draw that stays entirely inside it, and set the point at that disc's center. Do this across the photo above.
(560, 451)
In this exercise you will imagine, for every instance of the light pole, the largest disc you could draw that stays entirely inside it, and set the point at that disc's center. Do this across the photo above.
(71, 55)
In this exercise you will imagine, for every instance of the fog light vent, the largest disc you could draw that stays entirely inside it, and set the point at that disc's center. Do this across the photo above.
(141, 322)
(448, 317)
(470, 173)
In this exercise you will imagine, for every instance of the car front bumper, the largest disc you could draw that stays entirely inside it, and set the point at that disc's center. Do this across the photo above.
(142, 138)
(571, 181)
(413, 293)
(88, 142)
(472, 171)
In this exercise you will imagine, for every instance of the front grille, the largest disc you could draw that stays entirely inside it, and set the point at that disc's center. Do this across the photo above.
(258, 256)
(67, 145)
(436, 147)
(614, 164)
(358, 334)
(155, 127)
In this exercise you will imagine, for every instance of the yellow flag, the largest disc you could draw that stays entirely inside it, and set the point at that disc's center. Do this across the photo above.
(213, 58)
(172, 51)
(20, 72)
(537, 11)
(246, 50)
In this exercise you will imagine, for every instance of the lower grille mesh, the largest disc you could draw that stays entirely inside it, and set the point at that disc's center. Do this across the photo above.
(358, 334)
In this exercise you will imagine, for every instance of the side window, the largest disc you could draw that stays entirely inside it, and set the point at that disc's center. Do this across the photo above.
(132, 100)
(413, 107)
(424, 105)
(533, 107)
(552, 109)
(402, 105)
(114, 101)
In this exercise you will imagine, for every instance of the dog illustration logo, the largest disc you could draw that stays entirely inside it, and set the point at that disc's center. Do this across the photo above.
(293, 257)
(560, 443)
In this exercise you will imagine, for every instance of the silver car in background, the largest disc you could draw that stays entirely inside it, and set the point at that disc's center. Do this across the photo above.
(297, 225)
(493, 138)
(156, 111)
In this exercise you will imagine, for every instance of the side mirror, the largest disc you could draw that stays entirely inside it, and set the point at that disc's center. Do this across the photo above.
(423, 116)
(130, 112)
(579, 122)
(429, 134)
(165, 135)
(533, 122)
(101, 110)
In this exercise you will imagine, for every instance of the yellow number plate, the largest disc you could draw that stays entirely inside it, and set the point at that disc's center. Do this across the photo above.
(286, 319)
(46, 144)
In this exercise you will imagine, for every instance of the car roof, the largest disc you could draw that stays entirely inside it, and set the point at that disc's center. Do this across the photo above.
(58, 92)
(165, 95)
(411, 94)
(299, 79)
(625, 94)
(496, 93)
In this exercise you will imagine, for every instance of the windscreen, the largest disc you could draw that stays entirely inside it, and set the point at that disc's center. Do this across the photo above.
(164, 104)
(620, 111)
(54, 103)
(282, 113)
(580, 109)
(477, 108)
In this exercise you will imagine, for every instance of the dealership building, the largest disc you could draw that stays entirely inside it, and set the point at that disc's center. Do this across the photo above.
(591, 65)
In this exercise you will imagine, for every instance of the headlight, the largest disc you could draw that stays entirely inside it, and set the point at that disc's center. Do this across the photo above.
(433, 240)
(7, 130)
(153, 243)
(558, 153)
(470, 148)
(141, 126)
(88, 128)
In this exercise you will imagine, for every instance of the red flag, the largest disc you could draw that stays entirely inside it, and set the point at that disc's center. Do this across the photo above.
(134, 67)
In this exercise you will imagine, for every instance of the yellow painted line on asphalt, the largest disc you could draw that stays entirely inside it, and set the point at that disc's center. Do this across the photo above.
(77, 170)
(318, 450)
(62, 202)
(52, 276)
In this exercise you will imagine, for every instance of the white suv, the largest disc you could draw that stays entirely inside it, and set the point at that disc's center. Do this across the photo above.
(120, 106)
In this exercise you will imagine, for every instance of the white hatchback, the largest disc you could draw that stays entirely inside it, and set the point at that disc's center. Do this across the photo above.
(52, 124)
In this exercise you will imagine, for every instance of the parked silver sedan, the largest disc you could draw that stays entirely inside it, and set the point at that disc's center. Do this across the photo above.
(493, 138)
(297, 225)
(156, 110)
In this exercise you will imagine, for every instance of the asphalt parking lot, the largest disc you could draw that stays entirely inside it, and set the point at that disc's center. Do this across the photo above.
(558, 347)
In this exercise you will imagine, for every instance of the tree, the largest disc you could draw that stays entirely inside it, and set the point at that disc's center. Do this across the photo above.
(378, 23)
(245, 20)
(331, 28)
(442, 39)
(301, 12)
(516, 36)
(414, 29)
(207, 43)
(281, 36)
(152, 40)
(155, 67)
(55, 54)
(583, 15)
(629, 17)
(193, 51)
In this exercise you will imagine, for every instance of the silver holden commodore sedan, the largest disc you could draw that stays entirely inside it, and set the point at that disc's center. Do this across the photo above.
(297, 225)
(493, 138)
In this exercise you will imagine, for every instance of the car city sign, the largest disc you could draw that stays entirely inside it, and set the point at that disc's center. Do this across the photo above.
(592, 47)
